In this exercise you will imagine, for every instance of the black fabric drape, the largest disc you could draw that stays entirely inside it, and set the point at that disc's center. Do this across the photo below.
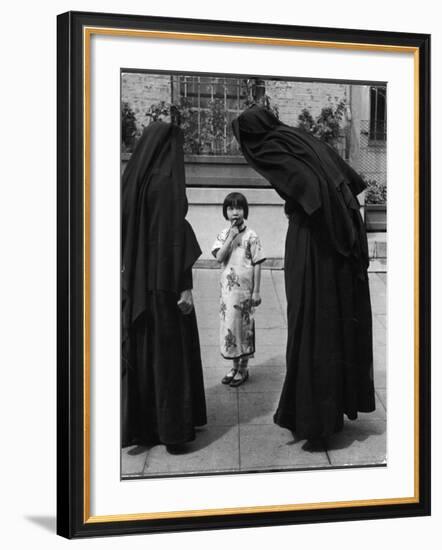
(158, 244)
(163, 387)
(308, 173)
(159, 249)
(329, 350)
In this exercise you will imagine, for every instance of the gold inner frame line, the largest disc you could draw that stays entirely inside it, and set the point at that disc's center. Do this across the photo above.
(87, 33)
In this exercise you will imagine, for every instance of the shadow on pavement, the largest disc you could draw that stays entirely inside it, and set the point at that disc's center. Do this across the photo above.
(138, 449)
(357, 431)
(205, 435)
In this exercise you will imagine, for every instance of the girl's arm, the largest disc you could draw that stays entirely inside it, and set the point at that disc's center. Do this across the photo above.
(224, 252)
(256, 298)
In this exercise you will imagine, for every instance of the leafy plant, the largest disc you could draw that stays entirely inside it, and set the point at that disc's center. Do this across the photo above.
(213, 128)
(376, 193)
(206, 131)
(189, 125)
(327, 125)
(203, 129)
(306, 122)
(128, 127)
(189, 121)
(158, 109)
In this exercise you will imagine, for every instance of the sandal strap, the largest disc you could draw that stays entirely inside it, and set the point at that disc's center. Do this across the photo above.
(242, 374)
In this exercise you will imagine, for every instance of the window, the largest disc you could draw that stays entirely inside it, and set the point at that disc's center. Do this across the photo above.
(378, 113)
(208, 105)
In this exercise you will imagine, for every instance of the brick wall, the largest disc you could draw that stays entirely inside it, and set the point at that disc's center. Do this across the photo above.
(267, 217)
(141, 90)
(292, 97)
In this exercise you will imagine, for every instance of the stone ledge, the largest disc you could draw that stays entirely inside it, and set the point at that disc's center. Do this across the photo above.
(206, 197)
(377, 245)
(377, 265)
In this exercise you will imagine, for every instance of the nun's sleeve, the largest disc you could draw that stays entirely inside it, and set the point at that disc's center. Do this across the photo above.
(354, 180)
(293, 180)
(302, 186)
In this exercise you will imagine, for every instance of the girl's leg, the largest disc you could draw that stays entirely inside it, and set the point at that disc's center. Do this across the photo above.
(231, 373)
(242, 374)
(243, 363)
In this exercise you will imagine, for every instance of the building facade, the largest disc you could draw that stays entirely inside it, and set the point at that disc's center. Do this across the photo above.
(214, 164)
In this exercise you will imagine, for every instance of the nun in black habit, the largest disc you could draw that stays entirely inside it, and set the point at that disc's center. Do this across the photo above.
(329, 352)
(162, 383)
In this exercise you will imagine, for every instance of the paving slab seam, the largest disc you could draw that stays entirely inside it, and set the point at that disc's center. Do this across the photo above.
(239, 429)
(281, 308)
(328, 457)
(145, 465)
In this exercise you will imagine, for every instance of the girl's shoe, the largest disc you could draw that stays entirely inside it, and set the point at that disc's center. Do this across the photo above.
(243, 377)
(229, 376)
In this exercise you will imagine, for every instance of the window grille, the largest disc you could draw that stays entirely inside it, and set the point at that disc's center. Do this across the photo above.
(378, 113)
(208, 105)
(372, 159)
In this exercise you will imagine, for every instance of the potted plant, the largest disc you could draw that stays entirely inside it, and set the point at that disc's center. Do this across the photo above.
(376, 206)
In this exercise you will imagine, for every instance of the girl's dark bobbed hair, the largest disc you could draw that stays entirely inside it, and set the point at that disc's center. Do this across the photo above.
(238, 200)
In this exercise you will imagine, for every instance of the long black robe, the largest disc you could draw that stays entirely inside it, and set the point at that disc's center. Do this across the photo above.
(329, 346)
(162, 382)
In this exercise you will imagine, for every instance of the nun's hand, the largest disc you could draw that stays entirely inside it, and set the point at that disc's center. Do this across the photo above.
(185, 303)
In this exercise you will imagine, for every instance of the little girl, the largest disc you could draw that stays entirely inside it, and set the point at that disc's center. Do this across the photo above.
(239, 251)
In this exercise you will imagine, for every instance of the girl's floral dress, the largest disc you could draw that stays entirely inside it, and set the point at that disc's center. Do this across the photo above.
(237, 326)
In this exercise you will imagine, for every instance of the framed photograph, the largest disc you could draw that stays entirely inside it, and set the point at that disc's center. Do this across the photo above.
(243, 274)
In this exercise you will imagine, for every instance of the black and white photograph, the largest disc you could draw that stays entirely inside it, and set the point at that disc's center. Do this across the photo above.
(253, 274)
(243, 274)
(221, 264)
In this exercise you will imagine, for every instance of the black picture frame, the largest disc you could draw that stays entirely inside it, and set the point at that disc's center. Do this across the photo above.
(73, 517)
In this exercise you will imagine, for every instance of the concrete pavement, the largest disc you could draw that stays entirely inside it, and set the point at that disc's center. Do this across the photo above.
(240, 435)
